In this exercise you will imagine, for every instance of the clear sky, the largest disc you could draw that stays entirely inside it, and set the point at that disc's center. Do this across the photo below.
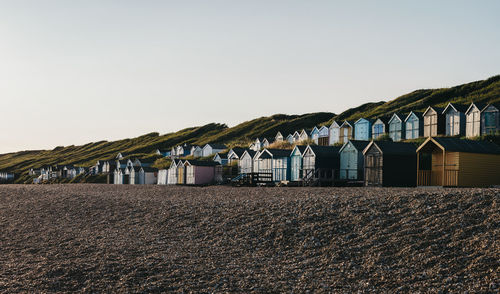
(73, 72)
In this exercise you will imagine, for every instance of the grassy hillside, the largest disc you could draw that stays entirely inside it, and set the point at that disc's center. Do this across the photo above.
(144, 146)
(481, 91)
(486, 91)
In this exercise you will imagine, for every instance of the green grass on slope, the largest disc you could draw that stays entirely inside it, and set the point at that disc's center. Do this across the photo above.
(486, 91)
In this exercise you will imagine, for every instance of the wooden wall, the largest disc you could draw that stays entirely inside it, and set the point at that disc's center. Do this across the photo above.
(477, 170)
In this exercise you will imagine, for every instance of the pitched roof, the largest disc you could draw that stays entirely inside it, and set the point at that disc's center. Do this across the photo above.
(148, 169)
(394, 148)
(367, 119)
(357, 144)
(457, 107)
(202, 163)
(301, 148)
(239, 151)
(334, 123)
(279, 152)
(349, 122)
(383, 119)
(418, 114)
(479, 106)
(250, 152)
(325, 151)
(439, 110)
(222, 155)
(463, 145)
(496, 105)
(399, 116)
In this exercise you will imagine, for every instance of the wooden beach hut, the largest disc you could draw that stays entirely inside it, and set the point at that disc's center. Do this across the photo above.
(473, 120)
(148, 175)
(245, 162)
(379, 127)
(334, 135)
(454, 119)
(305, 135)
(390, 164)
(201, 172)
(396, 127)
(458, 163)
(321, 162)
(162, 177)
(221, 158)
(352, 161)
(234, 155)
(172, 172)
(181, 173)
(324, 136)
(278, 137)
(213, 148)
(434, 121)
(296, 163)
(346, 132)
(315, 135)
(289, 138)
(490, 119)
(275, 161)
(414, 125)
(363, 129)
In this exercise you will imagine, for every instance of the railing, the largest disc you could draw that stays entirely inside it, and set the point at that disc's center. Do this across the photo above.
(253, 178)
(424, 178)
(318, 176)
(435, 178)
(451, 177)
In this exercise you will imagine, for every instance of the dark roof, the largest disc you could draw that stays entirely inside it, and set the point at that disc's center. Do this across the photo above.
(279, 152)
(239, 151)
(401, 116)
(439, 110)
(367, 119)
(384, 119)
(396, 148)
(359, 145)
(148, 169)
(202, 163)
(459, 107)
(496, 105)
(301, 148)
(250, 152)
(325, 151)
(222, 155)
(471, 146)
(350, 122)
(417, 113)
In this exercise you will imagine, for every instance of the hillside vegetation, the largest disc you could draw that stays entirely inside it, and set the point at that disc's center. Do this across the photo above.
(486, 91)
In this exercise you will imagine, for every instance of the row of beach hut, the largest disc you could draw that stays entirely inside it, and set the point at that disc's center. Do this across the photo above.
(439, 161)
(454, 120)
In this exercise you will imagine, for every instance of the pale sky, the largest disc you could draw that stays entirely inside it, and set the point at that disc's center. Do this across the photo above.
(73, 72)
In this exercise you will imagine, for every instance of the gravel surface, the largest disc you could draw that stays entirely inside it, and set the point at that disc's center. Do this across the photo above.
(105, 238)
